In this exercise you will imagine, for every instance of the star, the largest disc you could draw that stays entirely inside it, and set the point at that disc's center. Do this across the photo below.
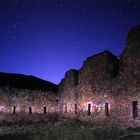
(16, 1)
(13, 37)
(135, 7)
(50, 21)
(81, 29)
(112, 12)
(56, 31)
(77, 47)
(109, 28)
(38, 1)
(79, 6)
(120, 13)
(107, 34)
(74, 34)
(61, 5)
(119, 51)
(114, 41)
(100, 14)
(83, 10)
(93, 37)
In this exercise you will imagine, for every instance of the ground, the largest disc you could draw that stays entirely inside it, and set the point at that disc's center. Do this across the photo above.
(55, 128)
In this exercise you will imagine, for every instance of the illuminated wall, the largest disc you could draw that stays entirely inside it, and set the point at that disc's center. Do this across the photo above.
(20, 100)
(104, 89)
(107, 88)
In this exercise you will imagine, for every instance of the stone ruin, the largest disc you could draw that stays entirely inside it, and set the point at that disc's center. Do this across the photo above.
(20, 94)
(105, 89)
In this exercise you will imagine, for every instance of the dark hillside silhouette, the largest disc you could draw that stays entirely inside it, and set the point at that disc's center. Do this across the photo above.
(26, 82)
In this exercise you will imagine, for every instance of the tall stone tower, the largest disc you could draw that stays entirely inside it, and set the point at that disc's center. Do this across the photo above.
(130, 58)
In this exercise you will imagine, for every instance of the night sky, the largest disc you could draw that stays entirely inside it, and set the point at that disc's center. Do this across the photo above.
(45, 38)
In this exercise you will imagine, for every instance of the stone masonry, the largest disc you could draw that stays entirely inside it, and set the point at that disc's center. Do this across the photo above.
(105, 89)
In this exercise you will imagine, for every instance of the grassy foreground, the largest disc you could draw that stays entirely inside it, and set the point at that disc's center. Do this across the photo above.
(64, 129)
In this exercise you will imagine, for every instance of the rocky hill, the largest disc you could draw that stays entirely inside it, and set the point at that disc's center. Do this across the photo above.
(26, 82)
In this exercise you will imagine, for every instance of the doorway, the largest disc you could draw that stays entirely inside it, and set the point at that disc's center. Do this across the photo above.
(14, 110)
(135, 109)
(30, 110)
(75, 108)
(106, 109)
(89, 109)
(44, 110)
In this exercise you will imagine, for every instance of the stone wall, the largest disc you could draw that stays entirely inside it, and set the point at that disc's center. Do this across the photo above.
(108, 89)
(68, 92)
(130, 59)
(104, 89)
(98, 68)
(19, 101)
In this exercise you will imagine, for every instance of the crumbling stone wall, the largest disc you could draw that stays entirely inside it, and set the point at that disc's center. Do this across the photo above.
(22, 99)
(68, 92)
(105, 89)
(4, 102)
(108, 89)
(93, 87)
(98, 68)
(130, 59)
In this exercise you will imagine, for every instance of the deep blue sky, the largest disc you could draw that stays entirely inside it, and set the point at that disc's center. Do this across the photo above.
(45, 38)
